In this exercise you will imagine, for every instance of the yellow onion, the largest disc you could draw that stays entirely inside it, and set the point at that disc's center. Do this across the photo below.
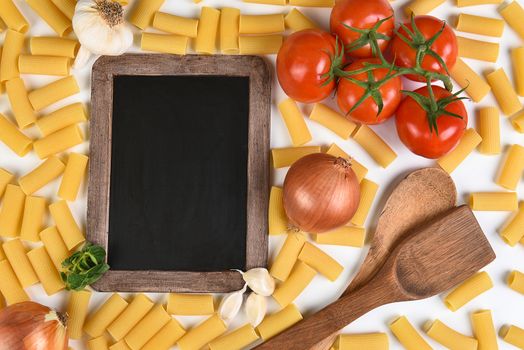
(31, 326)
(321, 193)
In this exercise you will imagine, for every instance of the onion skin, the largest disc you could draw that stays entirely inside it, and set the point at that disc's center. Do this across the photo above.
(31, 326)
(321, 193)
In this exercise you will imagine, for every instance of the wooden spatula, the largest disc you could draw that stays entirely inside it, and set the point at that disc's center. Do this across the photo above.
(427, 262)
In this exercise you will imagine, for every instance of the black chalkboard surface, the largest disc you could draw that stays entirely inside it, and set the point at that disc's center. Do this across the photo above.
(179, 170)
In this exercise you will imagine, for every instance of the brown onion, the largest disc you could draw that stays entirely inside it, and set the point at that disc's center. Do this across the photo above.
(31, 326)
(321, 193)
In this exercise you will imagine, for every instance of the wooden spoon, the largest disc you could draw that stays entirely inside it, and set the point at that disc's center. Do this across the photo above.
(427, 262)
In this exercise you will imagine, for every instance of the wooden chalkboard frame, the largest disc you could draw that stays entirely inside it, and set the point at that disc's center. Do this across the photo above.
(104, 70)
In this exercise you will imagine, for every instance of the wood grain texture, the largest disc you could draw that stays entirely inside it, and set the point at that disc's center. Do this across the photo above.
(104, 70)
(427, 262)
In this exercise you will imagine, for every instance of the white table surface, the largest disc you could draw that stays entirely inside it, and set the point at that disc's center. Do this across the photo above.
(475, 174)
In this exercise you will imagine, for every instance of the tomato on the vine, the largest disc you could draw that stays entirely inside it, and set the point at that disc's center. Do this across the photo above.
(428, 131)
(379, 88)
(306, 63)
(362, 15)
(433, 37)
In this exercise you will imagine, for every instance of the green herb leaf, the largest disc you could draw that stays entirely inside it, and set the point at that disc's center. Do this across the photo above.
(84, 267)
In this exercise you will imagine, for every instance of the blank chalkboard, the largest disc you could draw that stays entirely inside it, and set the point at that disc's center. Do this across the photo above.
(179, 170)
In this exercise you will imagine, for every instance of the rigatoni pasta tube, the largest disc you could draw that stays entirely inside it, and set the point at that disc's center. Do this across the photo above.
(422, 7)
(484, 330)
(52, 16)
(12, 17)
(466, 145)
(143, 12)
(277, 218)
(190, 304)
(287, 256)
(320, 261)
(312, 3)
(267, 2)
(260, 45)
(77, 312)
(66, 224)
(99, 343)
(147, 327)
(465, 3)
(44, 65)
(350, 236)
(13, 44)
(5, 178)
(368, 341)
(513, 14)
(297, 281)
(284, 157)
(516, 281)
(22, 109)
(480, 25)
(368, 191)
(494, 201)
(358, 168)
(33, 218)
(13, 138)
(166, 337)
(10, 286)
(99, 320)
(58, 142)
(468, 290)
(73, 174)
(205, 42)
(513, 335)
(278, 322)
(66, 6)
(518, 122)
(477, 49)
(489, 130)
(229, 23)
(512, 168)
(504, 93)
(120, 345)
(517, 58)
(238, 339)
(11, 211)
(448, 337)
(407, 335)
(476, 87)
(374, 145)
(202, 334)
(46, 172)
(332, 120)
(131, 315)
(295, 123)
(167, 43)
(55, 246)
(46, 270)
(59, 119)
(53, 92)
(261, 24)
(175, 24)
(53, 46)
(297, 21)
(16, 255)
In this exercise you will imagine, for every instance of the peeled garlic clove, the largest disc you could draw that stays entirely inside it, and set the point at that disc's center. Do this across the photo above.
(260, 281)
(256, 308)
(231, 304)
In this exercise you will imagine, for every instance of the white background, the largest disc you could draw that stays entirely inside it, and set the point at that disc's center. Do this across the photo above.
(475, 174)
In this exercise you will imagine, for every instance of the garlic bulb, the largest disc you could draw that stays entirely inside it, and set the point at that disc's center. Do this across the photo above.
(256, 308)
(101, 28)
(260, 281)
(231, 304)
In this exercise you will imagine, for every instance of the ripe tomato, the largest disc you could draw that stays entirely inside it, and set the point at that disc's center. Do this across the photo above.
(444, 46)
(349, 93)
(304, 62)
(413, 124)
(361, 14)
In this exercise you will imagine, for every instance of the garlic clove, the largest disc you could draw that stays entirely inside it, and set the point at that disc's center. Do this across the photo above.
(259, 281)
(82, 57)
(256, 308)
(231, 304)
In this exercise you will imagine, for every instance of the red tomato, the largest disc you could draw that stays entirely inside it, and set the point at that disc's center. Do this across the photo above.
(445, 46)
(348, 93)
(413, 125)
(361, 14)
(303, 62)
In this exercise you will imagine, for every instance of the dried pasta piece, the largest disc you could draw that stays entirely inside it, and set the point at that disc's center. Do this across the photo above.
(77, 311)
(278, 322)
(147, 327)
(12, 17)
(53, 92)
(53, 46)
(287, 256)
(465, 3)
(202, 334)
(312, 3)
(374, 145)
(516, 281)
(52, 16)
(493, 201)
(512, 168)
(407, 335)
(320, 261)
(368, 191)
(13, 44)
(277, 218)
(267, 2)
(99, 343)
(484, 330)
(144, 11)
(10, 287)
(46, 270)
(61, 118)
(167, 43)
(513, 335)
(120, 345)
(73, 174)
(468, 290)
(477, 49)
(517, 58)
(229, 25)
(11, 211)
(350, 236)
(44, 65)
(205, 42)
(131, 315)
(22, 109)
(489, 130)
(480, 25)
(175, 24)
(299, 278)
(466, 145)
(16, 255)
(284, 157)
(5, 178)
(33, 218)
(13, 138)
(66, 224)
(476, 87)
(368, 341)
(66, 6)
(360, 170)
(190, 304)
(518, 122)
(504, 93)
(98, 321)
(295, 123)
(55, 245)
(513, 14)
(166, 337)
(422, 7)
(332, 120)
(261, 24)
(448, 337)
(58, 141)
(40, 176)
(235, 340)
(260, 45)
(297, 21)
